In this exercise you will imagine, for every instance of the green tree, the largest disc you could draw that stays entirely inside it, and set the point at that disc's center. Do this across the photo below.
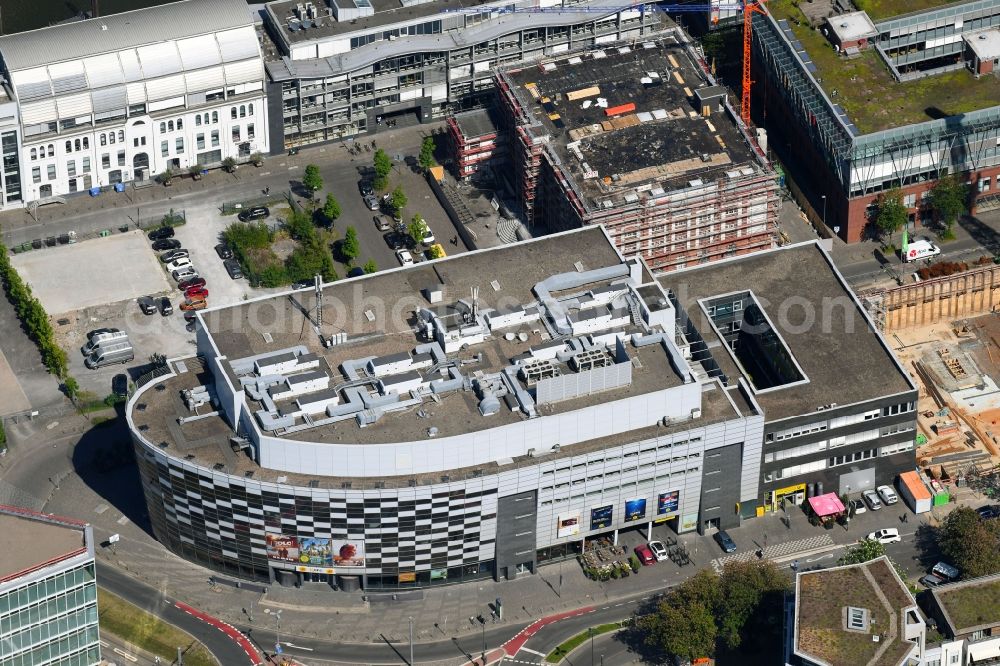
(949, 199)
(435, 251)
(332, 208)
(891, 214)
(398, 201)
(311, 179)
(417, 229)
(300, 226)
(751, 598)
(863, 551)
(370, 266)
(229, 164)
(972, 543)
(684, 621)
(350, 247)
(382, 163)
(71, 388)
(427, 148)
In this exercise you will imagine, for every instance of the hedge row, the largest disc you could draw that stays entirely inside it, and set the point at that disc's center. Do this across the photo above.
(33, 316)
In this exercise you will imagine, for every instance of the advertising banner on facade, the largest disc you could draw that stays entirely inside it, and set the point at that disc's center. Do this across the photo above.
(568, 525)
(635, 509)
(315, 551)
(348, 553)
(600, 517)
(668, 502)
(407, 577)
(281, 547)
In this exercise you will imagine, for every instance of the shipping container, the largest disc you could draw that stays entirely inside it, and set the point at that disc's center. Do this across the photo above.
(914, 492)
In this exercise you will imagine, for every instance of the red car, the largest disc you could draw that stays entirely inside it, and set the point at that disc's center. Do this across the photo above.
(644, 554)
(193, 293)
(193, 282)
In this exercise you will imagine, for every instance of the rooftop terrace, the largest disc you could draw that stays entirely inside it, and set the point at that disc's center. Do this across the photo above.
(657, 135)
(873, 99)
(815, 314)
(38, 541)
(821, 607)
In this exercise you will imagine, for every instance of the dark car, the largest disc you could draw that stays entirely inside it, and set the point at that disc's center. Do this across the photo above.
(147, 305)
(223, 251)
(184, 285)
(190, 316)
(172, 255)
(644, 554)
(357, 271)
(165, 307)
(988, 512)
(255, 213)
(930, 580)
(725, 541)
(233, 268)
(119, 385)
(399, 241)
(98, 331)
(166, 244)
(161, 233)
(366, 188)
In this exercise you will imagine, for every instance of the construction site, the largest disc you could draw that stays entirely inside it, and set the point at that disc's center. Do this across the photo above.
(947, 335)
(639, 138)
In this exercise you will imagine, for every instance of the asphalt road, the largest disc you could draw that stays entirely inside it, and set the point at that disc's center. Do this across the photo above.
(869, 270)
(224, 648)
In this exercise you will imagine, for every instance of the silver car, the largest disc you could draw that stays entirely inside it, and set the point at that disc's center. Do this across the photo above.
(872, 500)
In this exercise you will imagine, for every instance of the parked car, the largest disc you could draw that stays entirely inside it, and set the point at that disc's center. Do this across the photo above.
(193, 282)
(399, 241)
(382, 223)
(357, 271)
(371, 202)
(121, 352)
(147, 305)
(196, 304)
(178, 264)
(366, 188)
(161, 233)
(888, 495)
(645, 555)
(930, 580)
(872, 500)
(859, 507)
(195, 292)
(725, 541)
(303, 284)
(884, 536)
(166, 244)
(233, 268)
(943, 570)
(659, 550)
(97, 331)
(173, 255)
(428, 238)
(103, 340)
(190, 316)
(404, 257)
(119, 385)
(166, 308)
(989, 511)
(185, 273)
(223, 251)
(254, 213)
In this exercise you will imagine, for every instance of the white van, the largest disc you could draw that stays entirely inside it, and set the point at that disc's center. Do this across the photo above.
(921, 249)
(103, 339)
(120, 352)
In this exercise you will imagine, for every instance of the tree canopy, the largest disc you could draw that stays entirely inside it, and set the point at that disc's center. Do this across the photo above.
(863, 551)
(311, 179)
(350, 247)
(398, 201)
(427, 148)
(890, 214)
(383, 166)
(971, 542)
(949, 198)
(417, 229)
(332, 208)
(370, 266)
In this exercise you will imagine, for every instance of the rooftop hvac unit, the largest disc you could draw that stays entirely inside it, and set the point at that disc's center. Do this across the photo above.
(537, 370)
(590, 359)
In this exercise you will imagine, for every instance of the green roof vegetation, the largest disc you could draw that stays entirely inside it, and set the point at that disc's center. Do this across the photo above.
(879, 10)
(972, 605)
(872, 98)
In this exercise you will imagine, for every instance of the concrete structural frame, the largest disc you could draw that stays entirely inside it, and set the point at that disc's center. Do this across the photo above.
(124, 97)
(476, 436)
(48, 591)
(636, 136)
(331, 80)
(851, 167)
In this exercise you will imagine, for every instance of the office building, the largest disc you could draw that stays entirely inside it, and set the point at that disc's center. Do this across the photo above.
(638, 138)
(122, 98)
(48, 591)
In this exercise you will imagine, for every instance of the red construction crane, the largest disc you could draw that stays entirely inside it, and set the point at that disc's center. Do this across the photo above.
(748, 10)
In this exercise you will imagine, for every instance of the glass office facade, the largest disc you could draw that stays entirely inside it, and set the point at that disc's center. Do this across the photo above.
(51, 621)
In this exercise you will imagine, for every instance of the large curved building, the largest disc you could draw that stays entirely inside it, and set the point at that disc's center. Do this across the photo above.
(457, 419)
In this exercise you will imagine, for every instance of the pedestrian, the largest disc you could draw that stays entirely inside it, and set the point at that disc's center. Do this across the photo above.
(903, 518)
(267, 190)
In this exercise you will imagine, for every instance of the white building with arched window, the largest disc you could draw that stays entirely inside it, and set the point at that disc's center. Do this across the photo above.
(125, 97)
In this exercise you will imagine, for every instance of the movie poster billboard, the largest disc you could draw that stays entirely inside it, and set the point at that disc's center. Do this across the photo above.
(348, 553)
(568, 525)
(281, 547)
(635, 509)
(668, 502)
(315, 551)
(600, 517)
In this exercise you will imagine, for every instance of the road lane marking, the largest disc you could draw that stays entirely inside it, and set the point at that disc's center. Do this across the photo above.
(536, 652)
(123, 653)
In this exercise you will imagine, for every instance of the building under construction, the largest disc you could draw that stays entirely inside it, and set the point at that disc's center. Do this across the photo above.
(637, 136)
(474, 142)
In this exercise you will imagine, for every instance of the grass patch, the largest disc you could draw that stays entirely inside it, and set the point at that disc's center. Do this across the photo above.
(883, 9)
(253, 246)
(568, 646)
(149, 633)
(873, 99)
(972, 605)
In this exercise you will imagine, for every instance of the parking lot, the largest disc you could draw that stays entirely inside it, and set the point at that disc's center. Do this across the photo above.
(105, 270)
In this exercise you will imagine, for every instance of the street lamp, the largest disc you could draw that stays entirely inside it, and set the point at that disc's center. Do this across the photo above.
(483, 621)
(277, 623)
(411, 640)
(591, 632)
(824, 210)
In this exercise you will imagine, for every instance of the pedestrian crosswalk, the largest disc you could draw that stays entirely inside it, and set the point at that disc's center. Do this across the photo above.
(776, 551)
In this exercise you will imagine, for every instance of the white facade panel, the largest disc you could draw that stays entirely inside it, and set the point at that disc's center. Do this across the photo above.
(136, 93)
(204, 79)
(238, 44)
(130, 65)
(166, 103)
(242, 72)
(43, 111)
(410, 94)
(64, 69)
(303, 52)
(439, 92)
(72, 106)
(104, 70)
(159, 59)
(198, 52)
(165, 87)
